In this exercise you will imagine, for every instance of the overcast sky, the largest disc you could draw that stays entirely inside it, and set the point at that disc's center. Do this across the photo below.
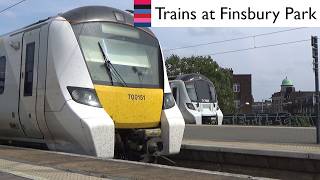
(268, 66)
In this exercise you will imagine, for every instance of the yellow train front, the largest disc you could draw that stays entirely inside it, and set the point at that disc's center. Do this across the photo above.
(128, 74)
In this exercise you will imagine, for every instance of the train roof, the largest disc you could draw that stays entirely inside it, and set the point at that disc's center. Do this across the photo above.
(192, 77)
(100, 13)
(90, 14)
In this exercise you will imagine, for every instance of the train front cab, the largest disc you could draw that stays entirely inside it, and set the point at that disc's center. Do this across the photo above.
(113, 79)
(190, 114)
(196, 98)
(57, 89)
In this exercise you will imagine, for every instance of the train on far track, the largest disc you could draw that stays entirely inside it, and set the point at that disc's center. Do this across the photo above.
(197, 99)
(87, 81)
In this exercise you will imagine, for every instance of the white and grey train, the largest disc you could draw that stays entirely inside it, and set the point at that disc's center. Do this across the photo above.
(87, 81)
(196, 97)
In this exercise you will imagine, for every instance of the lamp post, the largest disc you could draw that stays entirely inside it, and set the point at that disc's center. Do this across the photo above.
(238, 111)
(242, 105)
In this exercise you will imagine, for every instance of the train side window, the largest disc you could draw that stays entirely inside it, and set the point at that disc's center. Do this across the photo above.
(2, 73)
(28, 78)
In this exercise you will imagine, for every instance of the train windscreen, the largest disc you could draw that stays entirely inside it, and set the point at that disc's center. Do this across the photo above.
(201, 91)
(134, 55)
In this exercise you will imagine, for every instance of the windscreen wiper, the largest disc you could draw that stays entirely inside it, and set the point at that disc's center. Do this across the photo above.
(118, 76)
(110, 66)
(106, 65)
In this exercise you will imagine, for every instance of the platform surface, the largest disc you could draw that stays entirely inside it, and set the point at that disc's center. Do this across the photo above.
(289, 150)
(268, 134)
(20, 163)
(8, 176)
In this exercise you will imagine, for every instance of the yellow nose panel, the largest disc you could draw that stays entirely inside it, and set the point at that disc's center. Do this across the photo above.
(131, 107)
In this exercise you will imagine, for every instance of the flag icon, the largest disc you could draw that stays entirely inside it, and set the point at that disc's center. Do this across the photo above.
(142, 13)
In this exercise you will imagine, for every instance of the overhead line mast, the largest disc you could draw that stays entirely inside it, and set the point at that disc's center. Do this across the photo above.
(314, 44)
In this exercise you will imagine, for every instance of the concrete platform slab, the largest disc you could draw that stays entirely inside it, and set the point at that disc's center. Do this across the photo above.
(303, 151)
(8, 176)
(268, 134)
(274, 160)
(37, 164)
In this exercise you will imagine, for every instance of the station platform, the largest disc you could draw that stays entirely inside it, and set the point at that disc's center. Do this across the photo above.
(264, 159)
(23, 163)
(286, 150)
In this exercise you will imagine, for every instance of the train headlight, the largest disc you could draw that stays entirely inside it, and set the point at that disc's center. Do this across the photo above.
(168, 101)
(84, 96)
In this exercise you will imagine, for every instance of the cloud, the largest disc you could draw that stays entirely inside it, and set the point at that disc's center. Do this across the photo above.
(201, 31)
(4, 3)
(268, 66)
(213, 31)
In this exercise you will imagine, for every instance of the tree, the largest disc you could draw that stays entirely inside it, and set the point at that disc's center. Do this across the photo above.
(205, 65)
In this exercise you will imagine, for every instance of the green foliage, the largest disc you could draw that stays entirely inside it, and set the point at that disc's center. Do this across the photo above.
(301, 121)
(205, 65)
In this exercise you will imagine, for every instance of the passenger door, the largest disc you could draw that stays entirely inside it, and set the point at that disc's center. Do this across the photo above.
(28, 84)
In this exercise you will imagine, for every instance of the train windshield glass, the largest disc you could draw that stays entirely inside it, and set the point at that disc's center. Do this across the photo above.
(134, 55)
(201, 91)
(191, 90)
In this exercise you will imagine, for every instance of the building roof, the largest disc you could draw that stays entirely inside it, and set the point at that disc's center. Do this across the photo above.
(286, 82)
(294, 94)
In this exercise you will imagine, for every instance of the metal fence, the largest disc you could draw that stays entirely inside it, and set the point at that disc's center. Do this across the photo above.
(279, 119)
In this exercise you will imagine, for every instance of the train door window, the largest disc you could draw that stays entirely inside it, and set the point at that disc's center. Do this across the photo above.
(2, 73)
(175, 94)
(28, 78)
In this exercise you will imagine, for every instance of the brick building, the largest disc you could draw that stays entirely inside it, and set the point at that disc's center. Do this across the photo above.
(291, 101)
(242, 87)
(262, 107)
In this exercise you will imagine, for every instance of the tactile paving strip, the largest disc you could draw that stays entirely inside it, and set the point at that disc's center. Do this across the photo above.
(40, 172)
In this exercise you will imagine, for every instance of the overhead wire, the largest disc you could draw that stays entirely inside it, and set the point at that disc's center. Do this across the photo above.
(233, 39)
(258, 47)
(255, 47)
(11, 6)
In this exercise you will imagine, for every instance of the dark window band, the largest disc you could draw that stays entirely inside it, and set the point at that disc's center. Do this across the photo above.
(28, 78)
(2, 73)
